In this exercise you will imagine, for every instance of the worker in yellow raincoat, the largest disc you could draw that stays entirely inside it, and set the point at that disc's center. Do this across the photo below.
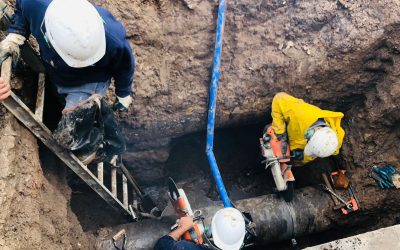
(310, 131)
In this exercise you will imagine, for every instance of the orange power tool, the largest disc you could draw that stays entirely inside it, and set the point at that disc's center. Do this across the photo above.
(182, 207)
(272, 149)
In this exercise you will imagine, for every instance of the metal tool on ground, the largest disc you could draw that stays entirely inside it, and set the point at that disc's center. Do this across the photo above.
(338, 205)
(354, 196)
(345, 203)
(340, 180)
(346, 207)
(277, 160)
(15, 106)
(117, 238)
(182, 207)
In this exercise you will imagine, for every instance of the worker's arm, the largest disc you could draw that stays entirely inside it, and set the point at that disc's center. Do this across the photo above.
(5, 90)
(185, 223)
(19, 23)
(123, 69)
(171, 241)
(18, 32)
(278, 120)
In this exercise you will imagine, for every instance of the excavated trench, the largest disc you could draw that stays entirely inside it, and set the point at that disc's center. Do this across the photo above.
(340, 55)
(237, 153)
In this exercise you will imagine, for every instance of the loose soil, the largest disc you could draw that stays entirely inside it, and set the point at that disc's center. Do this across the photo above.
(35, 210)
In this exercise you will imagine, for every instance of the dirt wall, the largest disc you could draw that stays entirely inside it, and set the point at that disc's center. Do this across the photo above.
(34, 212)
(316, 50)
(332, 53)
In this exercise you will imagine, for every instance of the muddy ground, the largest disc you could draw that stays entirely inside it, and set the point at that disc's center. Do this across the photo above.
(340, 55)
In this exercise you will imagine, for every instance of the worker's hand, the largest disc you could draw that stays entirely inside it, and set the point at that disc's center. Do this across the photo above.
(284, 144)
(10, 47)
(297, 154)
(266, 139)
(122, 103)
(283, 137)
(185, 223)
(5, 89)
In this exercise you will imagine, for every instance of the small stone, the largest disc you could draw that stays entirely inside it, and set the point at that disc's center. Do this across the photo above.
(307, 50)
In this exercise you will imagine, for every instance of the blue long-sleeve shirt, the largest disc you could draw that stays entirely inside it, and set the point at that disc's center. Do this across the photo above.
(168, 243)
(118, 61)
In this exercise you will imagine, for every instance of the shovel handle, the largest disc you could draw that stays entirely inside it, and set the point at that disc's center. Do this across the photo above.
(6, 69)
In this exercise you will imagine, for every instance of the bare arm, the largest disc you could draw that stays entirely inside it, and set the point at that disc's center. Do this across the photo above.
(5, 90)
(185, 223)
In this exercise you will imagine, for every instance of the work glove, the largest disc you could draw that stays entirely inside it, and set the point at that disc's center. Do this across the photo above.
(266, 138)
(284, 145)
(10, 47)
(297, 154)
(383, 175)
(122, 103)
(380, 181)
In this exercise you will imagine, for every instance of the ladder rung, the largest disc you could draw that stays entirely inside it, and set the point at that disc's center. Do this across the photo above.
(114, 182)
(125, 190)
(100, 172)
(40, 97)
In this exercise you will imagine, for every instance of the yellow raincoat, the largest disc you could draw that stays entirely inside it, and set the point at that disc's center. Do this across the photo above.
(294, 116)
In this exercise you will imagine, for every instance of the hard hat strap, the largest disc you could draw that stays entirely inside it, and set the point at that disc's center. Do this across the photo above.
(311, 130)
(44, 34)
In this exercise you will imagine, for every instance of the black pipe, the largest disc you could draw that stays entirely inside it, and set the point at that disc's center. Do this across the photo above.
(275, 220)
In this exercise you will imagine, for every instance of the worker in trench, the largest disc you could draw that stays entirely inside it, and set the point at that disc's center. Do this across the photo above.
(309, 131)
(82, 47)
(227, 233)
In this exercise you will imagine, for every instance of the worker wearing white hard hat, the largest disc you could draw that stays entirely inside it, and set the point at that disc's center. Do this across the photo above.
(82, 47)
(310, 131)
(227, 228)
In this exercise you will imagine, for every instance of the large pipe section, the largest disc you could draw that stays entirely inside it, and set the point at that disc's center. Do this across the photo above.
(212, 105)
(275, 219)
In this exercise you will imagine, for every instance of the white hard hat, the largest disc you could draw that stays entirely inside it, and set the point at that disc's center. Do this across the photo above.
(322, 144)
(76, 32)
(228, 229)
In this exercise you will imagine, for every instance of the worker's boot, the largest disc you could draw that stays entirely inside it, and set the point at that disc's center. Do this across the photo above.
(81, 130)
(113, 141)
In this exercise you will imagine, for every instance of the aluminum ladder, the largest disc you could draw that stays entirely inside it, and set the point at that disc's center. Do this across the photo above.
(34, 123)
